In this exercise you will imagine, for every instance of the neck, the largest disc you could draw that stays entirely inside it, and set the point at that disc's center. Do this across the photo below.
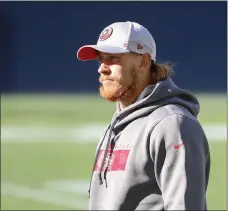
(142, 83)
(126, 102)
(129, 100)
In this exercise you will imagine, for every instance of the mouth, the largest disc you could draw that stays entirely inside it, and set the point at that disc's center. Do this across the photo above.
(107, 81)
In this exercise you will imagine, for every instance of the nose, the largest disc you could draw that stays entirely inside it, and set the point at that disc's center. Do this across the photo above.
(104, 68)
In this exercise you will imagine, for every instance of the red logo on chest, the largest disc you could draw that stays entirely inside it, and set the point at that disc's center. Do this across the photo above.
(116, 162)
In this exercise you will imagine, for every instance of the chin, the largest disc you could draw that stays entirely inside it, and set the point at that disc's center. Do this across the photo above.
(116, 94)
(108, 94)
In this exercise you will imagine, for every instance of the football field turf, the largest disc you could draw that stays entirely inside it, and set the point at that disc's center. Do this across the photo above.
(48, 144)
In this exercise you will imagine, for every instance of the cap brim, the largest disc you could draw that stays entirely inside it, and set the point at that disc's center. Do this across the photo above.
(89, 52)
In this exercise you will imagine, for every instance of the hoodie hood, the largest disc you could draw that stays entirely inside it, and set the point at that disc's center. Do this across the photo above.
(154, 96)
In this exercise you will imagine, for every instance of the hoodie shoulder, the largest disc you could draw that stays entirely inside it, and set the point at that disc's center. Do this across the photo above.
(168, 110)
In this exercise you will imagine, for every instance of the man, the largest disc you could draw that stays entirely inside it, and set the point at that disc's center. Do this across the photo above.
(154, 154)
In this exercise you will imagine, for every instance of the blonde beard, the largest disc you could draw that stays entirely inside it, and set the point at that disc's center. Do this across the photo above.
(117, 91)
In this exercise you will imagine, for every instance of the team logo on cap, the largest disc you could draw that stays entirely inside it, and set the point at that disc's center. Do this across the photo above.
(106, 34)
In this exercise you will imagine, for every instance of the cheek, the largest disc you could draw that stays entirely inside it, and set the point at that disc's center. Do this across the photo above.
(117, 71)
(124, 74)
(128, 73)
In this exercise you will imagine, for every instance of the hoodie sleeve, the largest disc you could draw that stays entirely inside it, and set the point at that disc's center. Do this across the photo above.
(179, 149)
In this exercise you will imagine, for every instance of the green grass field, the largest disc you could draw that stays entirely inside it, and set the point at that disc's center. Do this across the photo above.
(48, 144)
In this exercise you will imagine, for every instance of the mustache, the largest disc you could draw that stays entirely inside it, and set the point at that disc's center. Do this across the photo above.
(103, 78)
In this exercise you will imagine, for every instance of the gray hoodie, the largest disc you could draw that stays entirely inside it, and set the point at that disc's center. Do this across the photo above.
(154, 155)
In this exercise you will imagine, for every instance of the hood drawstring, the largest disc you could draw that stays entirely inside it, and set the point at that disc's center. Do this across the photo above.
(112, 144)
(111, 126)
(96, 157)
(106, 150)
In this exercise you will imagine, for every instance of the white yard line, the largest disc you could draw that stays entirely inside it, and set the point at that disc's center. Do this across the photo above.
(216, 132)
(76, 187)
(43, 195)
(81, 134)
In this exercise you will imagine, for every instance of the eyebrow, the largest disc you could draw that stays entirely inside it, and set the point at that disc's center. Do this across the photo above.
(99, 56)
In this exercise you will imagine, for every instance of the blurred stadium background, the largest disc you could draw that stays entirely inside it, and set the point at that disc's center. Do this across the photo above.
(51, 112)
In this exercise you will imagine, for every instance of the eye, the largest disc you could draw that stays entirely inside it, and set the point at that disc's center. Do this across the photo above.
(115, 58)
(108, 59)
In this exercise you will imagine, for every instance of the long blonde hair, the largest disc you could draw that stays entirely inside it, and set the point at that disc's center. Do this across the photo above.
(161, 71)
